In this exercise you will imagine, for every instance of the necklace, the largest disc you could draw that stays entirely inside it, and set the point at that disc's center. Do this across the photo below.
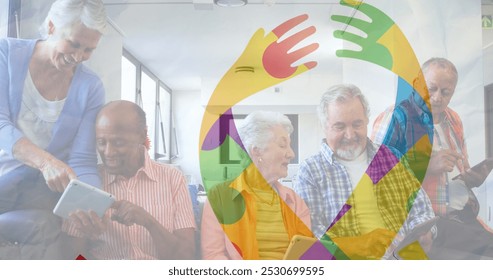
(261, 197)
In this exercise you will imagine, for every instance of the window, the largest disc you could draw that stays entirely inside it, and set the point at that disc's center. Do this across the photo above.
(164, 124)
(148, 92)
(140, 85)
(4, 18)
(129, 79)
(10, 18)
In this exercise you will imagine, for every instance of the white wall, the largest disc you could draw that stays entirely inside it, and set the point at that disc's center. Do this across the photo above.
(188, 118)
(310, 135)
(485, 193)
(106, 61)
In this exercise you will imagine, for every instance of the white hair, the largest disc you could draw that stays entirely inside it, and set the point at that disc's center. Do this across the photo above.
(256, 129)
(441, 63)
(65, 14)
(340, 93)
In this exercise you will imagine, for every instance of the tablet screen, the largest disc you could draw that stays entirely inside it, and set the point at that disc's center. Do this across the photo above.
(79, 195)
(299, 246)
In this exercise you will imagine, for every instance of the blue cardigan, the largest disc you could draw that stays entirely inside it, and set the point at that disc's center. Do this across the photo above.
(73, 138)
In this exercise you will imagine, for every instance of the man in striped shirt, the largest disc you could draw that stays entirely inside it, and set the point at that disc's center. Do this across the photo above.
(152, 217)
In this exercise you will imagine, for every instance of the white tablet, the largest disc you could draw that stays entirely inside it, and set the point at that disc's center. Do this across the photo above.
(299, 245)
(79, 195)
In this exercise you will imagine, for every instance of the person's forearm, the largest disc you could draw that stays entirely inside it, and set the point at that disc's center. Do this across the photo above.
(371, 245)
(28, 153)
(349, 246)
(168, 245)
(57, 174)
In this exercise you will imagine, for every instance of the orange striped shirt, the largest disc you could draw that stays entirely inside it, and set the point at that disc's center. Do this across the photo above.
(158, 188)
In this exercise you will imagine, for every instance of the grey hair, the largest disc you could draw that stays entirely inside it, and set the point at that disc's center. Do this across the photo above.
(442, 63)
(340, 93)
(65, 14)
(256, 129)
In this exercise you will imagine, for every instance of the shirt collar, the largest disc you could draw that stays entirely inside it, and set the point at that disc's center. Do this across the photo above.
(241, 186)
(421, 107)
(447, 117)
(327, 152)
(146, 170)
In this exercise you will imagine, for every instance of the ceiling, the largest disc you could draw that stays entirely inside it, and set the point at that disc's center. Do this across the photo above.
(189, 43)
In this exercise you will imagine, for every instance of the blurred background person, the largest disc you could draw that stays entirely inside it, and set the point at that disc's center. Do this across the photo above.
(446, 174)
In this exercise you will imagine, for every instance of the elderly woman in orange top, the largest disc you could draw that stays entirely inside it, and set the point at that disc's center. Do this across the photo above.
(254, 216)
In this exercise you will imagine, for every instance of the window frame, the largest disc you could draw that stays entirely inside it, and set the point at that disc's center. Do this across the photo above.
(168, 147)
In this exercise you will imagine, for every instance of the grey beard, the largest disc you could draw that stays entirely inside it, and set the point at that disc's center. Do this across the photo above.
(349, 154)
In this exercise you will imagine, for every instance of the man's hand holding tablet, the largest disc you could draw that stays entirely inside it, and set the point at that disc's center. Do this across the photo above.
(81, 196)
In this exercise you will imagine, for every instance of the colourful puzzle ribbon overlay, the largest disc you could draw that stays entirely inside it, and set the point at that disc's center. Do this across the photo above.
(385, 45)
(271, 61)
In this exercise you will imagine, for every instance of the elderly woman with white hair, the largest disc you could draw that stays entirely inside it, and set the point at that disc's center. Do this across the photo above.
(49, 104)
(254, 216)
(47, 125)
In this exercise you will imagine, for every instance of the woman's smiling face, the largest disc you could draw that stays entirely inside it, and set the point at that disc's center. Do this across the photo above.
(74, 48)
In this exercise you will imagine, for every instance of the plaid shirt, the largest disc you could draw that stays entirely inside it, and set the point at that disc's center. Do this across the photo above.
(401, 127)
(325, 185)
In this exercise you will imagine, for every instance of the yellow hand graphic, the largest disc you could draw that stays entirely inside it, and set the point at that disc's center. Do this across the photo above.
(271, 61)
